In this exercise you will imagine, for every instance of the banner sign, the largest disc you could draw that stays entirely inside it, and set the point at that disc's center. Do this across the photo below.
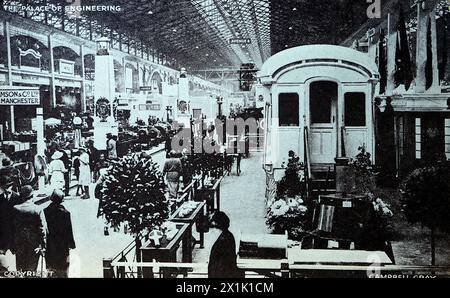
(150, 107)
(19, 96)
(240, 41)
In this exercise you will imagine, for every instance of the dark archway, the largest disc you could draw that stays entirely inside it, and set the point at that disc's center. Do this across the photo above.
(156, 81)
(65, 53)
(27, 51)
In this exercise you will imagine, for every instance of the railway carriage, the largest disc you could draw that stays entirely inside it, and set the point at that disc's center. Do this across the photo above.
(318, 103)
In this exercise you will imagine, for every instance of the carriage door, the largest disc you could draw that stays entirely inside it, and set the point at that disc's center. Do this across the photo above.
(323, 99)
(356, 125)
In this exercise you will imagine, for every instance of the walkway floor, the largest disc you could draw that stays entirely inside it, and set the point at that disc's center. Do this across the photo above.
(242, 199)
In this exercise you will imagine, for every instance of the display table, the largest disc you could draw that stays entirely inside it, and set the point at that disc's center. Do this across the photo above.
(211, 195)
(317, 263)
(167, 251)
(337, 257)
(196, 216)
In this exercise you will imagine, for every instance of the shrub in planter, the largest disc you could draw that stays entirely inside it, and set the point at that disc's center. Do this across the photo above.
(363, 171)
(293, 182)
(133, 194)
(426, 199)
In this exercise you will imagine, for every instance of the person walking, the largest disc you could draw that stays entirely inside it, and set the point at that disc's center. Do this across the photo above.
(57, 170)
(173, 171)
(8, 198)
(67, 174)
(8, 169)
(29, 232)
(54, 147)
(94, 159)
(168, 145)
(60, 236)
(222, 260)
(85, 172)
(238, 164)
(187, 168)
(111, 146)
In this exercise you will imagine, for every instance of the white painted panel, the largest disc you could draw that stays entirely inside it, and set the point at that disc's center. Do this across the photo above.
(354, 138)
(289, 139)
(323, 145)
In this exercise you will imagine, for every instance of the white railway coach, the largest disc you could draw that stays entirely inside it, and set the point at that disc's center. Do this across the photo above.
(318, 103)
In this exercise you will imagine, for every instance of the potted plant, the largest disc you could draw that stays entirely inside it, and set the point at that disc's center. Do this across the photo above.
(133, 194)
(363, 172)
(288, 211)
(426, 199)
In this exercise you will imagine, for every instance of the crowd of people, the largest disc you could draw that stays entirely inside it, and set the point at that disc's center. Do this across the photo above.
(85, 161)
(38, 235)
(33, 233)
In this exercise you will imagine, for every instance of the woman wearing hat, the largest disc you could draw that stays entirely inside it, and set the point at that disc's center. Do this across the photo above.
(56, 170)
(222, 260)
(85, 172)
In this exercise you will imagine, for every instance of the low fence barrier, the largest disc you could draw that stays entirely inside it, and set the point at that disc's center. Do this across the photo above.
(276, 269)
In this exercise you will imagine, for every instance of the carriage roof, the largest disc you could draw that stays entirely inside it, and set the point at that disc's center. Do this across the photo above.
(317, 54)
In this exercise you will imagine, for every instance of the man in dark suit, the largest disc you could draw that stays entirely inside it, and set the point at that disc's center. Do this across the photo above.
(222, 260)
(29, 231)
(60, 236)
(8, 198)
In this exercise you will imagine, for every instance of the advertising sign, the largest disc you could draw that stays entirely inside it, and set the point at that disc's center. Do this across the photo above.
(19, 96)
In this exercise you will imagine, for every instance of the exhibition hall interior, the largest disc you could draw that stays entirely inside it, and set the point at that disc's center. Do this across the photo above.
(224, 138)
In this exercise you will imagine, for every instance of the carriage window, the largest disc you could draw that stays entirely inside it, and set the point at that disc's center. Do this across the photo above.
(288, 109)
(322, 94)
(355, 109)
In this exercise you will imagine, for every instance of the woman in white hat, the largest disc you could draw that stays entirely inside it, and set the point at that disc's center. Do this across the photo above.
(85, 172)
(57, 170)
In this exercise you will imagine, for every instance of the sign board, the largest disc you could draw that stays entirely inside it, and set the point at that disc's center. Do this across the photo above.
(240, 41)
(19, 96)
(150, 107)
(146, 88)
(66, 67)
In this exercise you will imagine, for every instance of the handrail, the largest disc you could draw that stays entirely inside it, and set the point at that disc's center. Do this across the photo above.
(307, 159)
(343, 147)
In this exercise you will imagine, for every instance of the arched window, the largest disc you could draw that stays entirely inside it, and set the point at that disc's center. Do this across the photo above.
(27, 51)
(156, 82)
(67, 61)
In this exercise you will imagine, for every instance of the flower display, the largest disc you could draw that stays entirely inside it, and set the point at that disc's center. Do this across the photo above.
(287, 215)
(382, 209)
(288, 211)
